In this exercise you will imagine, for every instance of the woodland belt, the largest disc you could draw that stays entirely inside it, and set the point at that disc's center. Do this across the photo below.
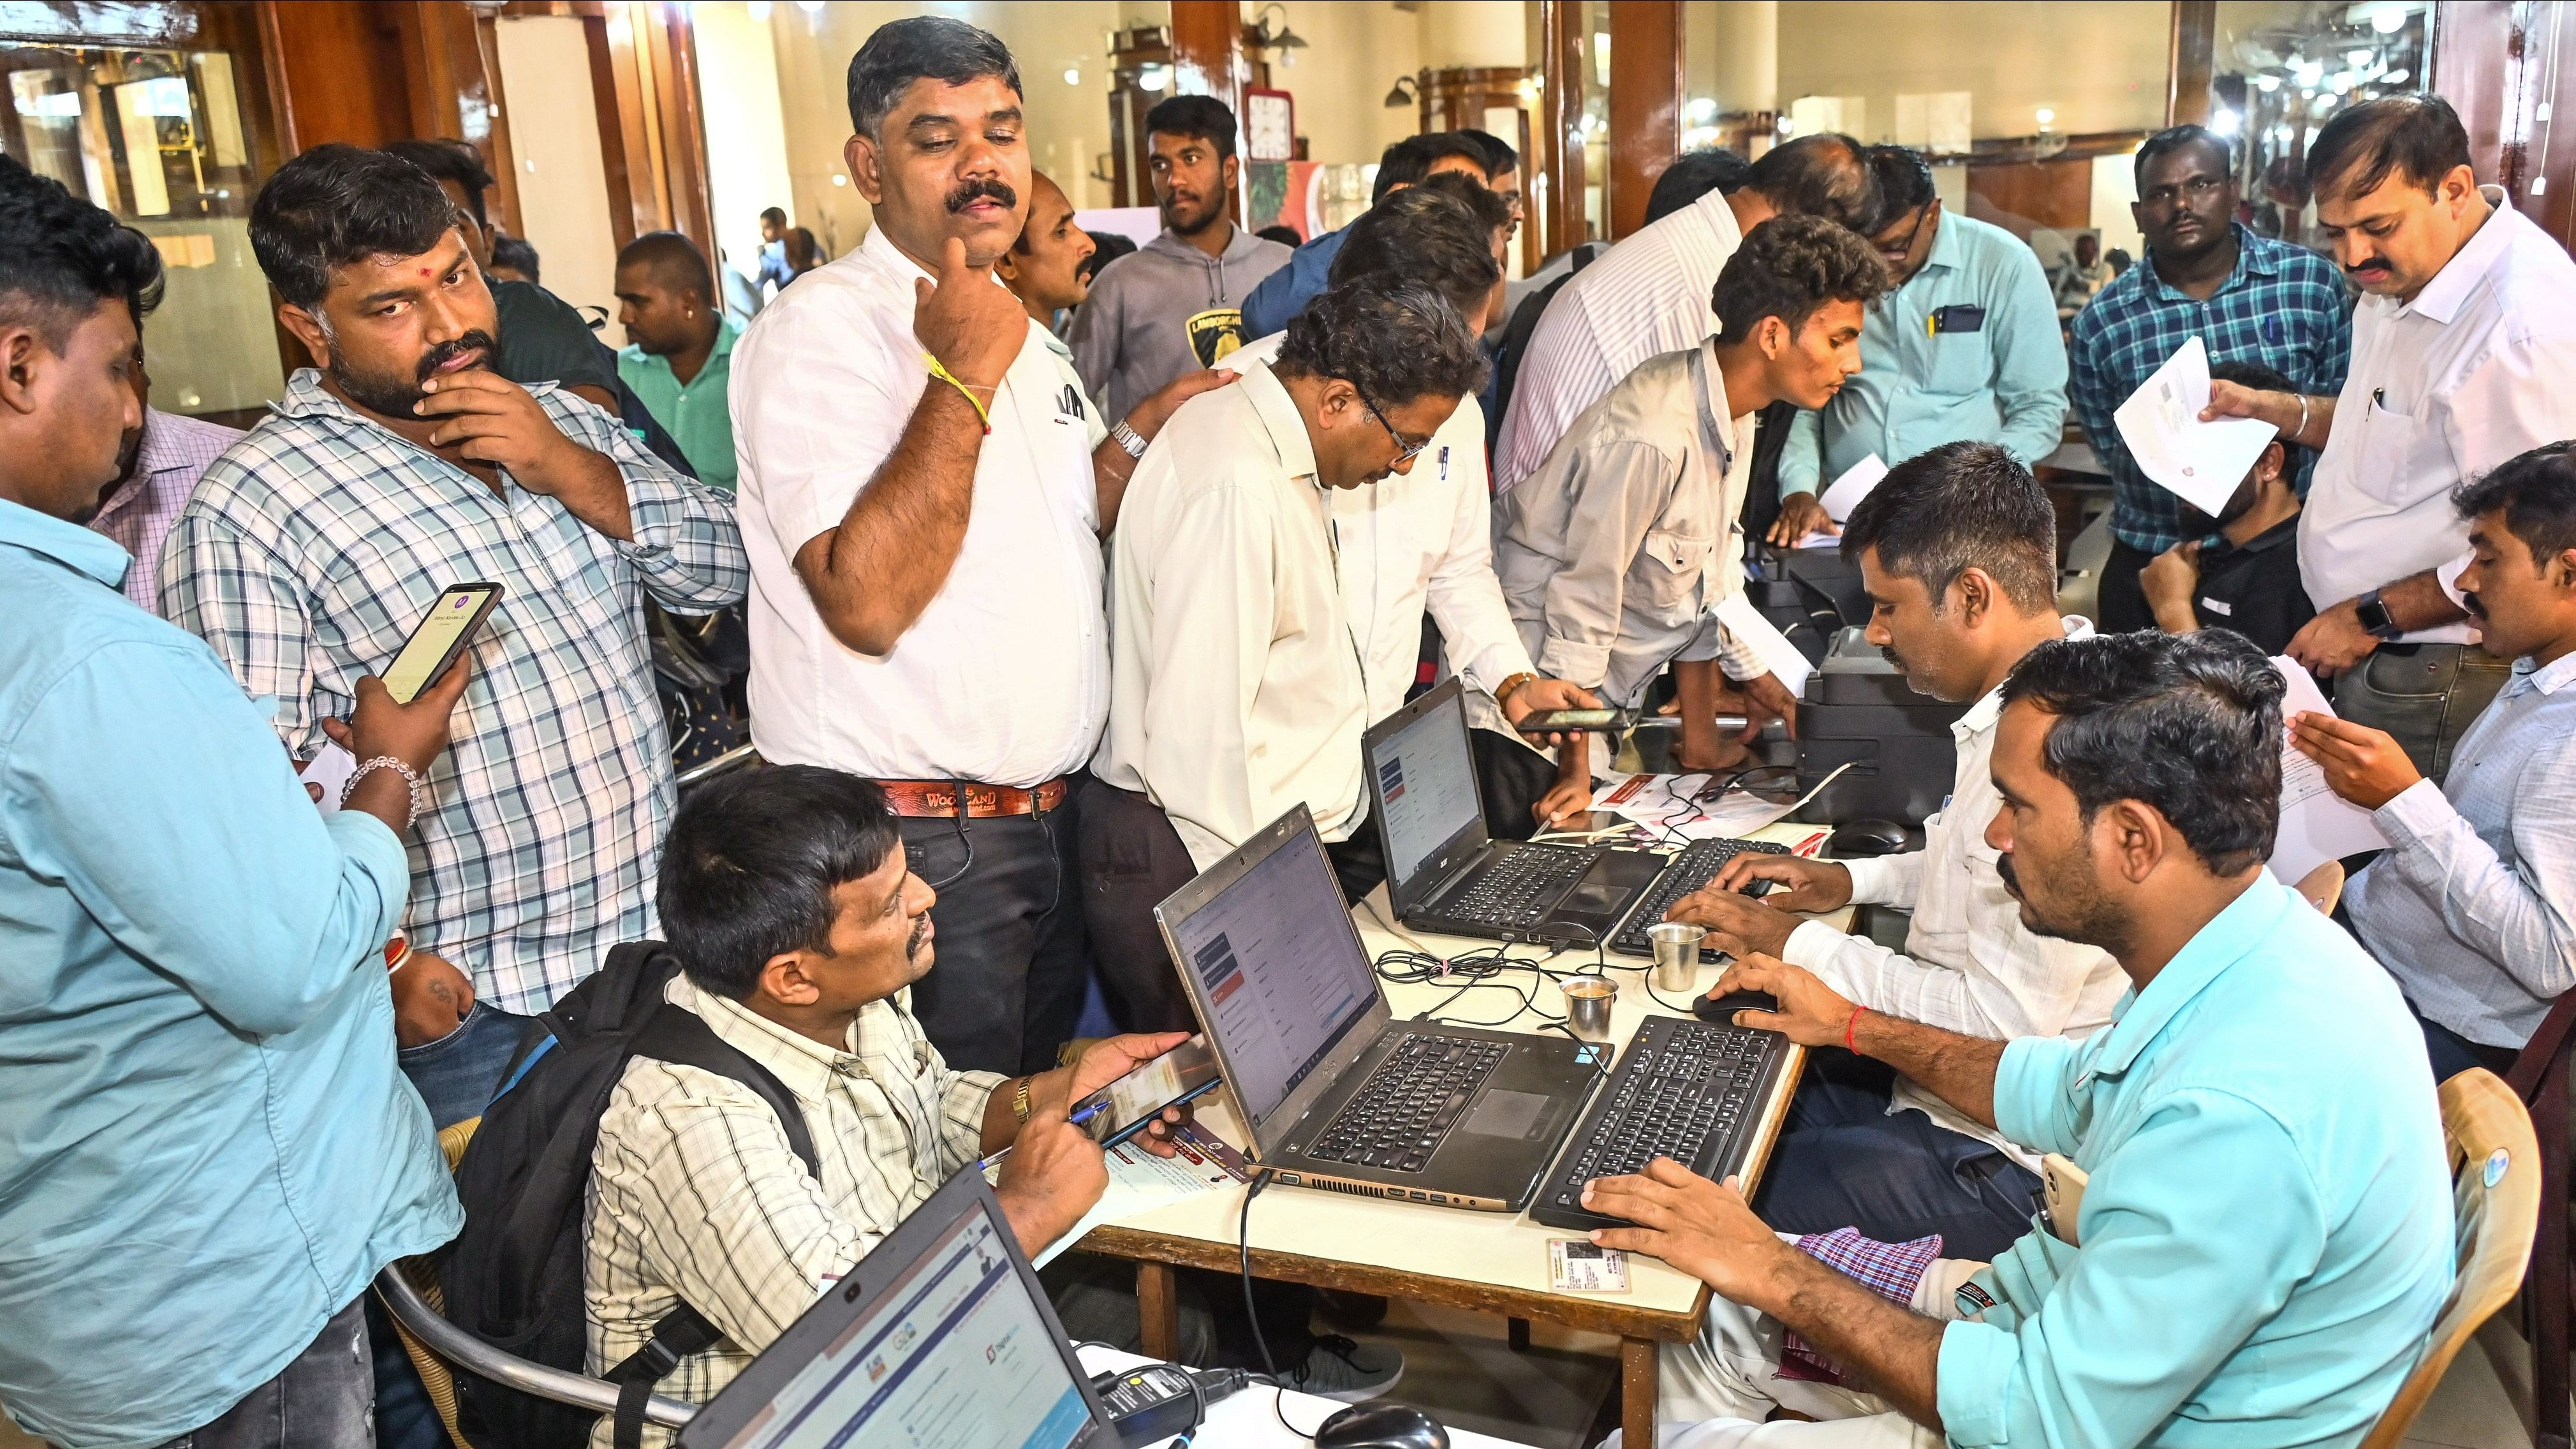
(937, 799)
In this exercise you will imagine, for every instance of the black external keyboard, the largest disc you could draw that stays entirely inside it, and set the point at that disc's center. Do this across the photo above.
(1399, 1116)
(1688, 1090)
(1514, 891)
(1696, 866)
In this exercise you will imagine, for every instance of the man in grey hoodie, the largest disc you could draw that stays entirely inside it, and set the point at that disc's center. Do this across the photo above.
(1175, 305)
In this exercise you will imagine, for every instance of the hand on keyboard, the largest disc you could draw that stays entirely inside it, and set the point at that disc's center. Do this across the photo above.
(1702, 1228)
(1811, 1013)
(1797, 884)
(1736, 925)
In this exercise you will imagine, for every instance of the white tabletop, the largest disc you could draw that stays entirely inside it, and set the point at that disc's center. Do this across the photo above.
(1246, 1421)
(1494, 1249)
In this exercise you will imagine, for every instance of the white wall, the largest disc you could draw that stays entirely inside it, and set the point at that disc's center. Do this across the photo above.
(746, 137)
(563, 185)
(2100, 65)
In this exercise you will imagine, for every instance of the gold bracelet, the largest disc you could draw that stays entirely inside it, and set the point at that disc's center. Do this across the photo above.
(1513, 683)
(1020, 1100)
(983, 414)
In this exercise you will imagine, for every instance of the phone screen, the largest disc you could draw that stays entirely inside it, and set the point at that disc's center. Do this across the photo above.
(1571, 719)
(456, 611)
(1151, 1087)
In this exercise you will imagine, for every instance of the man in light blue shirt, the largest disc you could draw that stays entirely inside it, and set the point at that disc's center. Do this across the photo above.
(2266, 1234)
(1965, 348)
(206, 1152)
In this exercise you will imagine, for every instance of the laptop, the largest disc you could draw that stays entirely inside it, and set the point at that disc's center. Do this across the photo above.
(1337, 1093)
(1445, 874)
(940, 1338)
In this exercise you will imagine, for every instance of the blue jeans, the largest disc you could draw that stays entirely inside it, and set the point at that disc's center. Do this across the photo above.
(457, 1073)
(1843, 1162)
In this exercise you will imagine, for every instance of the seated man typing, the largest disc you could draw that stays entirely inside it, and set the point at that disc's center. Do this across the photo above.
(2470, 908)
(2266, 1235)
(1957, 548)
(786, 894)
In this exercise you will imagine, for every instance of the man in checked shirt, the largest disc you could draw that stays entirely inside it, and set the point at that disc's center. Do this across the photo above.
(400, 464)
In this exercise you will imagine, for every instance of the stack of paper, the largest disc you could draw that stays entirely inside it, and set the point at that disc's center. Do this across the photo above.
(2317, 825)
(2203, 463)
(1139, 1180)
(1845, 493)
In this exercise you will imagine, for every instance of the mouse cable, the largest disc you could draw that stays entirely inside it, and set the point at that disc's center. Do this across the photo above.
(1252, 1313)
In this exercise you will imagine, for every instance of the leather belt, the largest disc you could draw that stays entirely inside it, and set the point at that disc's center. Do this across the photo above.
(937, 799)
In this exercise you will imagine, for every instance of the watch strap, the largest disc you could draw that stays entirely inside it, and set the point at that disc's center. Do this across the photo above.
(2372, 612)
(1020, 1100)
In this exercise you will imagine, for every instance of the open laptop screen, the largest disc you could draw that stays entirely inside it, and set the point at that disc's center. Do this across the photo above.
(1426, 785)
(1281, 974)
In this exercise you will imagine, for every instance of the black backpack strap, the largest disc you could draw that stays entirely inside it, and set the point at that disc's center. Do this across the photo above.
(680, 1036)
(682, 1332)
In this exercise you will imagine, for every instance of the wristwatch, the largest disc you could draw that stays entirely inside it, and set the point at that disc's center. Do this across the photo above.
(2375, 618)
(1020, 1100)
(1127, 438)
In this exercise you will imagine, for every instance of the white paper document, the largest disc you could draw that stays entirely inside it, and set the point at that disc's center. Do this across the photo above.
(1845, 493)
(329, 770)
(1746, 623)
(1139, 1180)
(1668, 807)
(1820, 538)
(2317, 825)
(2203, 463)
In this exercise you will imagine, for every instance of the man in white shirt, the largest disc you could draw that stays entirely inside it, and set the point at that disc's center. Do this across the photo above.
(1239, 688)
(923, 491)
(1649, 295)
(1958, 549)
(2461, 354)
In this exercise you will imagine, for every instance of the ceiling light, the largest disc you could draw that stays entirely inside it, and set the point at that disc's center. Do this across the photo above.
(1153, 78)
(2388, 19)
(2267, 83)
(758, 11)
(2046, 116)
(2225, 122)
(1073, 75)
(2397, 77)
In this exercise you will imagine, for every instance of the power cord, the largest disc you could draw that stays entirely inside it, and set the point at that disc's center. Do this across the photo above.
(1252, 1312)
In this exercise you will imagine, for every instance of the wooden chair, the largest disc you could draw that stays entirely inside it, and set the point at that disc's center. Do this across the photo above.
(2322, 887)
(2540, 1077)
(2496, 1170)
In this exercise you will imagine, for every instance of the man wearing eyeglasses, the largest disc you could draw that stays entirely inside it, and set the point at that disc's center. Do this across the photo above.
(1963, 348)
(2249, 298)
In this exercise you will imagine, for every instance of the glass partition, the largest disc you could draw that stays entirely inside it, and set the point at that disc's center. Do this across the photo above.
(2283, 67)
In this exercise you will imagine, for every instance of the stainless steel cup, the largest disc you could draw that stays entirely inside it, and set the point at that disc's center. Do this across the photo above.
(1676, 954)
(1587, 1006)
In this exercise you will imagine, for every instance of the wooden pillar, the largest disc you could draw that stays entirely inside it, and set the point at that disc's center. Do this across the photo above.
(1561, 120)
(1207, 60)
(2189, 60)
(1645, 104)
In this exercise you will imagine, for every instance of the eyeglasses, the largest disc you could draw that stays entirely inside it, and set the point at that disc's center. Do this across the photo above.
(2198, 188)
(1404, 452)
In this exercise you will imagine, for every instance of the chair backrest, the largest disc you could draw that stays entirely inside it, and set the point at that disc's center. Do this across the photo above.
(2495, 1199)
(2322, 887)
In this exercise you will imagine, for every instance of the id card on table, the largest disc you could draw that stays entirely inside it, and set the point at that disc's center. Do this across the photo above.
(1576, 1265)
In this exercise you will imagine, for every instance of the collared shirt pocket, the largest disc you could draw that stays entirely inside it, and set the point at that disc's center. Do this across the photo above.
(1668, 573)
(1962, 363)
(2395, 442)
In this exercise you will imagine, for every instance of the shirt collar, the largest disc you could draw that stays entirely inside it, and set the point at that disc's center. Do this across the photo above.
(2255, 257)
(68, 544)
(2443, 296)
(160, 451)
(1989, 707)
(1716, 420)
(2232, 935)
(2547, 678)
(726, 332)
(805, 1065)
(1280, 418)
(1949, 246)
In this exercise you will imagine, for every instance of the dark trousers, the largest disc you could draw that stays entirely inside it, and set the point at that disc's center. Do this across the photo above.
(1513, 778)
(2453, 1053)
(1843, 1162)
(1005, 987)
(1131, 859)
(2120, 604)
(325, 1398)
(2424, 695)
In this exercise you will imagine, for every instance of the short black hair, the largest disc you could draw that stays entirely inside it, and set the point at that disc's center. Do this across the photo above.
(674, 261)
(517, 253)
(2178, 138)
(1203, 118)
(2187, 723)
(1692, 175)
(931, 47)
(751, 864)
(1428, 235)
(2536, 492)
(1904, 180)
(1826, 174)
(1107, 247)
(1956, 507)
(450, 160)
(1499, 155)
(1408, 161)
(2263, 379)
(2418, 137)
(61, 257)
(338, 204)
(1790, 266)
(1280, 232)
(1483, 202)
(1392, 338)
(775, 215)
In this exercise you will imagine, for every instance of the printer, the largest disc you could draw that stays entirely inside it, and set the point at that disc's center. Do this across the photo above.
(1857, 709)
(1808, 594)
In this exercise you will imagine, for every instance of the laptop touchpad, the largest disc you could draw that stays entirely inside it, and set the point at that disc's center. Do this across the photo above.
(1506, 1114)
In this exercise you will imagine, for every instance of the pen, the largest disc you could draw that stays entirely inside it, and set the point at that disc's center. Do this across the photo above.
(1077, 1119)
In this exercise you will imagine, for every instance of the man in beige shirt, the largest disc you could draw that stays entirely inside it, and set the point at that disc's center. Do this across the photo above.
(1614, 553)
(1238, 685)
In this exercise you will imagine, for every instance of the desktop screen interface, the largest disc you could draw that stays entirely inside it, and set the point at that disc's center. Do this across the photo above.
(1282, 976)
(1426, 778)
(953, 1355)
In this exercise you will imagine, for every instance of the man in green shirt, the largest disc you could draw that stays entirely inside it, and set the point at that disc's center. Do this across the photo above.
(679, 353)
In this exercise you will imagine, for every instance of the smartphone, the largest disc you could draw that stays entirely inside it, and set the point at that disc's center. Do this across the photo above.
(1614, 721)
(439, 638)
(1136, 1099)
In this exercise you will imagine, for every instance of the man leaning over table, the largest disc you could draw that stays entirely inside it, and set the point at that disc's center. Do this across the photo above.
(2266, 1235)
(1957, 548)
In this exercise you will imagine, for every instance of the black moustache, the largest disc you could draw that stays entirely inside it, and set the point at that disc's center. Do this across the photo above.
(968, 193)
(455, 347)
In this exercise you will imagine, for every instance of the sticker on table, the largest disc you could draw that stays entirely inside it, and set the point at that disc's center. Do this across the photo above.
(1576, 1265)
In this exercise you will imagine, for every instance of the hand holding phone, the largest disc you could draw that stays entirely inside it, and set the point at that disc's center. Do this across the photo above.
(443, 634)
(1135, 1101)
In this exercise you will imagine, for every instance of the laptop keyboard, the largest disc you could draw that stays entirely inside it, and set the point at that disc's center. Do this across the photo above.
(1696, 866)
(1400, 1116)
(1515, 891)
(1685, 1089)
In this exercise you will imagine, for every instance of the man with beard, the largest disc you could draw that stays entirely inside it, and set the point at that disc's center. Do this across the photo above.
(1177, 304)
(400, 464)
(2265, 1236)
(2470, 907)
(2251, 582)
(1957, 548)
(157, 467)
(1044, 268)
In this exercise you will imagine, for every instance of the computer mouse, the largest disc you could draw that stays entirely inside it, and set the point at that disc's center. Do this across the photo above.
(1860, 839)
(1724, 1008)
(1381, 1426)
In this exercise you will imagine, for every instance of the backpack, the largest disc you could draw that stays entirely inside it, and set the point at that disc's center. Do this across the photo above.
(513, 1278)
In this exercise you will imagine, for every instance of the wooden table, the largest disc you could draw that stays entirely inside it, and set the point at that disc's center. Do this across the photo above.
(1488, 1262)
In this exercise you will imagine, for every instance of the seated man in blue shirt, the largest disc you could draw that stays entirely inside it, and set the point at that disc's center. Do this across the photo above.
(2471, 907)
(2266, 1233)
(206, 1153)
(1965, 348)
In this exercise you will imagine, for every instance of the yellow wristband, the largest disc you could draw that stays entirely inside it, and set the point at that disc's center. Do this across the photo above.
(940, 371)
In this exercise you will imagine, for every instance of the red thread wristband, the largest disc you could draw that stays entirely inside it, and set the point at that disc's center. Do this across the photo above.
(1851, 1026)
